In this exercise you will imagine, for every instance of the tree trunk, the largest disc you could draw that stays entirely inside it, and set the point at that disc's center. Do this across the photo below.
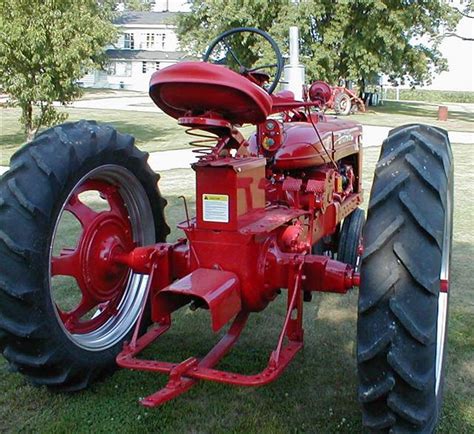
(28, 121)
(361, 84)
(30, 135)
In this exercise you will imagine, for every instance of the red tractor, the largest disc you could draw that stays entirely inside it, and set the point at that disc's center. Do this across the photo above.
(276, 213)
(342, 100)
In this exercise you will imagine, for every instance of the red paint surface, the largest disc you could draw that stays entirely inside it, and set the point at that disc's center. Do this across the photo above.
(282, 198)
(444, 285)
(91, 263)
(216, 290)
(197, 87)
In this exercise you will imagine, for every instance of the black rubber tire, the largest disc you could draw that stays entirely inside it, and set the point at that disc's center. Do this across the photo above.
(32, 192)
(407, 239)
(349, 238)
(342, 104)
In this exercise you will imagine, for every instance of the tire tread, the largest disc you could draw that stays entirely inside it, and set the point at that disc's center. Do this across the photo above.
(399, 292)
(39, 173)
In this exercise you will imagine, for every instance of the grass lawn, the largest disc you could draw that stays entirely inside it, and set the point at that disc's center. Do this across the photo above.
(316, 394)
(153, 131)
(395, 113)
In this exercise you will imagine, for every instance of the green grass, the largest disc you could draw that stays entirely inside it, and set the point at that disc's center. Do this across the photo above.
(316, 394)
(153, 131)
(395, 113)
(434, 96)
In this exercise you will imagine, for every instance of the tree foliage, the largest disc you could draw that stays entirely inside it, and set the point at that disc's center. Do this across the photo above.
(340, 39)
(45, 48)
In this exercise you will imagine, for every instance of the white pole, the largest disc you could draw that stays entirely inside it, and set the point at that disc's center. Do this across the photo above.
(294, 46)
(294, 72)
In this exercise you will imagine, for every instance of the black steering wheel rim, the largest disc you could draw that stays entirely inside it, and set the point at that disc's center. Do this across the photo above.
(276, 49)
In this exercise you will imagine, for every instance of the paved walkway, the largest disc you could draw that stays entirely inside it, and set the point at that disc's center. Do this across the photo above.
(181, 159)
(373, 136)
(129, 103)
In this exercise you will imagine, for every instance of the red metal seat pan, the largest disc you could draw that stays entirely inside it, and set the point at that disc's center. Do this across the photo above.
(199, 87)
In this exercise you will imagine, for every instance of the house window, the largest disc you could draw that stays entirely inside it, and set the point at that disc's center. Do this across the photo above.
(150, 40)
(128, 41)
(150, 66)
(162, 40)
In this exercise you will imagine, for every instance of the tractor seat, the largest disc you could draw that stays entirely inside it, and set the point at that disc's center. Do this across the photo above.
(194, 88)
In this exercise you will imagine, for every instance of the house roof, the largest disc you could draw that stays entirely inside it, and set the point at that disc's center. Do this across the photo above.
(145, 18)
(146, 55)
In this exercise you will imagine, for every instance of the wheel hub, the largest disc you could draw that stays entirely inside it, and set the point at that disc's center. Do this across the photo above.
(104, 278)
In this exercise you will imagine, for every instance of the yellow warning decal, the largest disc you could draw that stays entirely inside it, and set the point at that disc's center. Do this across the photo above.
(215, 208)
(223, 197)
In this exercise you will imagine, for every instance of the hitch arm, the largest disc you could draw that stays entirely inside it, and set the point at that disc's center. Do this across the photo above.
(178, 383)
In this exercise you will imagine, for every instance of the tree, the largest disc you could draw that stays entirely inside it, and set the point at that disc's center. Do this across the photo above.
(466, 12)
(350, 40)
(45, 48)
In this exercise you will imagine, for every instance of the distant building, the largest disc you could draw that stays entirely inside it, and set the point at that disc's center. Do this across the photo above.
(147, 43)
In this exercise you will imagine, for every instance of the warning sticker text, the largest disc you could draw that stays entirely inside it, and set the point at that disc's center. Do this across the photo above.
(215, 208)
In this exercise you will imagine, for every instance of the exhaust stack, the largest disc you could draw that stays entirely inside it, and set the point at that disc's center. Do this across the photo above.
(294, 72)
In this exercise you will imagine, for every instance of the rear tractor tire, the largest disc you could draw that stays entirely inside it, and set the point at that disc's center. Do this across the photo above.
(85, 178)
(342, 104)
(403, 297)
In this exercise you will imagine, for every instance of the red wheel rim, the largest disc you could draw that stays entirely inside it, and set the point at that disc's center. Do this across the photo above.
(99, 300)
(100, 279)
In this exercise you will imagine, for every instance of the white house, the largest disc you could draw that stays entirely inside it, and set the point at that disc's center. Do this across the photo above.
(147, 43)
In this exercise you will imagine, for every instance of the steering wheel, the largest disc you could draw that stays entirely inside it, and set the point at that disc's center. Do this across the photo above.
(243, 61)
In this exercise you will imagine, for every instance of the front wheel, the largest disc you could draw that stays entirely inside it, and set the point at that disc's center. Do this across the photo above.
(350, 238)
(403, 298)
(74, 197)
